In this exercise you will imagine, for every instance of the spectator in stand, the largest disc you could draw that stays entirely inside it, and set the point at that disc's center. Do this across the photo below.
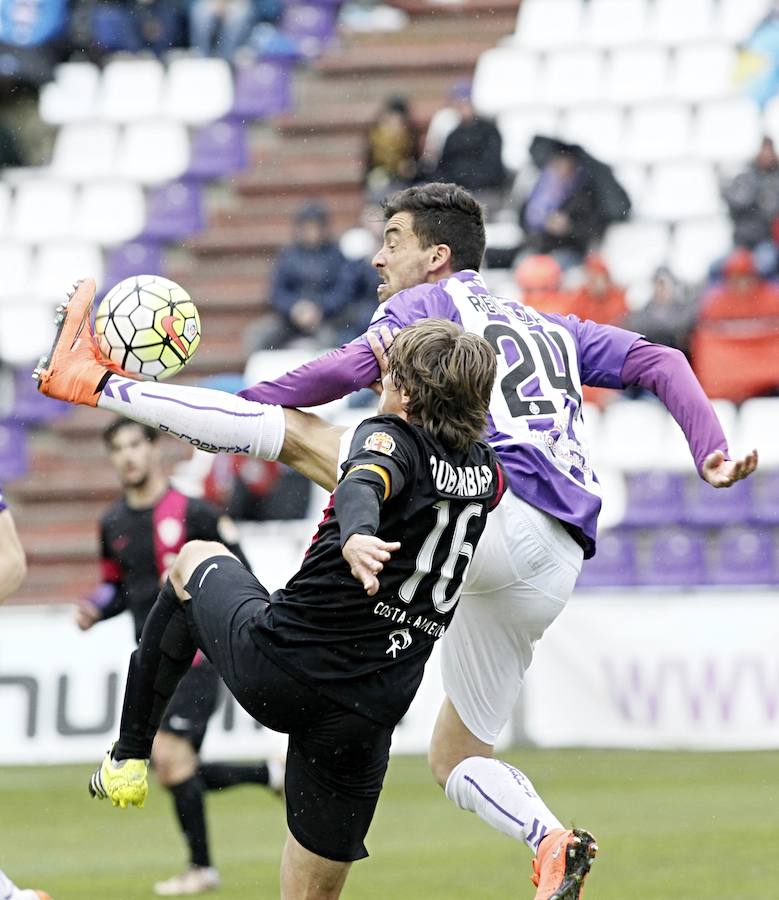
(392, 153)
(742, 294)
(753, 203)
(472, 153)
(562, 214)
(222, 27)
(669, 315)
(539, 279)
(114, 26)
(310, 286)
(598, 298)
(359, 245)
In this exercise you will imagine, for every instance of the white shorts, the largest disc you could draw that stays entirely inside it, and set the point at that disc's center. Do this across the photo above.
(523, 572)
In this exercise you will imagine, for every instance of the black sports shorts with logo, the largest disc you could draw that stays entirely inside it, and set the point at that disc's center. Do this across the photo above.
(192, 704)
(336, 759)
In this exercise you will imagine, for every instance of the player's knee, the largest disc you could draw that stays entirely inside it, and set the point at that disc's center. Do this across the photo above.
(189, 558)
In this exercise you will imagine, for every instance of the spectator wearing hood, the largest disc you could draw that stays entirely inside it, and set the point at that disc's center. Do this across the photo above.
(668, 317)
(599, 298)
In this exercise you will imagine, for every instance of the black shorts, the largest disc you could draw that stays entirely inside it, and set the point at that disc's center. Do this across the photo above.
(336, 759)
(192, 704)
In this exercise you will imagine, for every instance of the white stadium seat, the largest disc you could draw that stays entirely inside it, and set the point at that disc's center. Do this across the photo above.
(737, 18)
(599, 129)
(758, 426)
(697, 243)
(631, 435)
(727, 130)
(518, 128)
(131, 89)
(153, 151)
(549, 24)
(198, 91)
(633, 176)
(6, 202)
(633, 250)
(60, 263)
(72, 95)
(771, 119)
(657, 132)
(16, 267)
(614, 23)
(505, 78)
(637, 75)
(110, 212)
(682, 190)
(674, 22)
(26, 331)
(43, 209)
(573, 76)
(704, 72)
(84, 150)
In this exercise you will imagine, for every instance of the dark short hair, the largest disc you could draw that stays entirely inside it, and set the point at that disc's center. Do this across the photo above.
(448, 374)
(110, 431)
(443, 214)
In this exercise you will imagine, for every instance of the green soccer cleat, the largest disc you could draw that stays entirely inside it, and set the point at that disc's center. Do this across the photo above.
(123, 782)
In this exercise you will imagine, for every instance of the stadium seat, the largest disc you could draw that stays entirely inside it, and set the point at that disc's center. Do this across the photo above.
(153, 151)
(637, 75)
(505, 78)
(61, 263)
(764, 498)
(697, 243)
(175, 210)
(634, 250)
(758, 426)
(633, 177)
(109, 212)
(614, 563)
(737, 18)
(198, 91)
(673, 557)
(135, 258)
(26, 331)
(6, 203)
(630, 437)
(771, 119)
(130, 89)
(572, 77)
(708, 506)
(518, 127)
(72, 95)
(727, 131)
(549, 24)
(30, 406)
(657, 132)
(614, 23)
(681, 190)
(653, 498)
(668, 25)
(33, 196)
(599, 129)
(704, 72)
(13, 450)
(614, 496)
(85, 150)
(743, 555)
(310, 25)
(218, 149)
(16, 264)
(261, 89)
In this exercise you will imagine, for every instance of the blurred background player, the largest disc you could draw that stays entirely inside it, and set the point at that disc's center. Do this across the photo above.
(140, 536)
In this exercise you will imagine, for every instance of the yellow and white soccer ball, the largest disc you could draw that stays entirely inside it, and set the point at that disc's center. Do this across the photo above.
(148, 325)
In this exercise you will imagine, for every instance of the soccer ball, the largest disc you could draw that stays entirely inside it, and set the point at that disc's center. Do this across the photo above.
(148, 326)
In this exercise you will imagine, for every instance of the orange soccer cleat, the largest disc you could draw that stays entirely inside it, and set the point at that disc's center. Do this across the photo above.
(74, 370)
(562, 863)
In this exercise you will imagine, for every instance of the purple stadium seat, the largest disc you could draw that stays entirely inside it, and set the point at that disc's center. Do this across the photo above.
(175, 210)
(653, 498)
(218, 149)
(311, 25)
(262, 89)
(764, 499)
(673, 556)
(13, 451)
(613, 564)
(708, 506)
(30, 407)
(744, 556)
(135, 258)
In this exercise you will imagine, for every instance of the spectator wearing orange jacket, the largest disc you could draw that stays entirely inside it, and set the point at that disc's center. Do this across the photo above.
(599, 298)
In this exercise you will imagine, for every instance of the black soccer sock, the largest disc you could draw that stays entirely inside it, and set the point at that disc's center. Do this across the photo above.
(191, 813)
(162, 658)
(224, 775)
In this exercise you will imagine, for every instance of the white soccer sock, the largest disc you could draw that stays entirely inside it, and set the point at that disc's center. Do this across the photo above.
(214, 421)
(501, 796)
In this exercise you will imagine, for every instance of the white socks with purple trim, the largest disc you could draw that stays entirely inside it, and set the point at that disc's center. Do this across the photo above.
(501, 796)
(210, 420)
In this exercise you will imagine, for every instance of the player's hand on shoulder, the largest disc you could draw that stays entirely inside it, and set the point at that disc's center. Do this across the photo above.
(720, 472)
(86, 615)
(366, 555)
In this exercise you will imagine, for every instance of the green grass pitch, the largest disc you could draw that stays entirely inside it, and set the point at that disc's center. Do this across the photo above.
(671, 826)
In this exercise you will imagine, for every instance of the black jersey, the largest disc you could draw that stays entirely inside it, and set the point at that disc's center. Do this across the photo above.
(139, 545)
(369, 652)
